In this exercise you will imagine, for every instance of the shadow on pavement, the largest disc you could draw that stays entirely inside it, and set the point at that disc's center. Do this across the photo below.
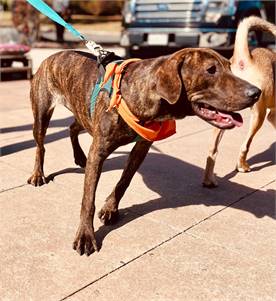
(179, 184)
(16, 147)
(19, 146)
(267, 158)
(29, 127)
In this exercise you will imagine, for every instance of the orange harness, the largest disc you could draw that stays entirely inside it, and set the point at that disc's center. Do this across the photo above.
(152, 130)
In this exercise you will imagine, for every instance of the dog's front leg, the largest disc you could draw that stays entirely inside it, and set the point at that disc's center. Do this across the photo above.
(85, 241)
(109, 213)
(209, 176)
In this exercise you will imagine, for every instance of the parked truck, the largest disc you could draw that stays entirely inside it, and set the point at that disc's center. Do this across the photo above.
(183, 23)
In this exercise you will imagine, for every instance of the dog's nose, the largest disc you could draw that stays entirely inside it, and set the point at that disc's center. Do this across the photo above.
(253, 92)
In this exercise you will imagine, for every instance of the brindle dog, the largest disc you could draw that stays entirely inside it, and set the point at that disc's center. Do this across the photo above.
(188, 82)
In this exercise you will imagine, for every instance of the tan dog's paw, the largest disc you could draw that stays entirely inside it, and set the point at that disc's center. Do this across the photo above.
(85, 242)
(210, 182)
(243, 166)
(37, 179)
(108, 215)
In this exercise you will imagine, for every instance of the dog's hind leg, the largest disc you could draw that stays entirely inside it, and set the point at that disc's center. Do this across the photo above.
(257, 118)
(43, 108)
(80, 158)
(109, 212)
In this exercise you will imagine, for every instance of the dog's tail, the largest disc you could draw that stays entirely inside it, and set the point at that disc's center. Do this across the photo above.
(241, 50)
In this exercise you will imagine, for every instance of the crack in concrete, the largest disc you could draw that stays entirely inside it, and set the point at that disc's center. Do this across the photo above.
(165, 241)
(13, 188)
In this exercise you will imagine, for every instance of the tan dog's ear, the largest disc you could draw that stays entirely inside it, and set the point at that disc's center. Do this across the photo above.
(169, 84)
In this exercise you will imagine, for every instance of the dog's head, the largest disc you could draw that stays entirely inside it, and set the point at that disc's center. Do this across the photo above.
(204, 79)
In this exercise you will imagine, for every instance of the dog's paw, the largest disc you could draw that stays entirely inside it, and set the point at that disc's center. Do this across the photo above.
(37, 179)
(80, 160)
(85, 242)
(79, 156)
(243, 167)
(210, 182)
(108, 216)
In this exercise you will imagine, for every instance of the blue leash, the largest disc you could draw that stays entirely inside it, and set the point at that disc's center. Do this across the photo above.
(103, 56)
(46, 10)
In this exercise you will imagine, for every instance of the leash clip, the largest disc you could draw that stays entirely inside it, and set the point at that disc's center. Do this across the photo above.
(93, 47)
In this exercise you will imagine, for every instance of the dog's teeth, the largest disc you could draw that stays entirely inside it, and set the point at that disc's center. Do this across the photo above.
(228, 120)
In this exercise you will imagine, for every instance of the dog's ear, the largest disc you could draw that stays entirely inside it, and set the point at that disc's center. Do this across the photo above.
(169, 84)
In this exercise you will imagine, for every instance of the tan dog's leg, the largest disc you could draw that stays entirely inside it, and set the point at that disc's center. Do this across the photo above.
(257, 118)
(209, 176)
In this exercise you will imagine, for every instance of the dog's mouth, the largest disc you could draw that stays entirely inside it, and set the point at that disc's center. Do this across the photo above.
(220, 119)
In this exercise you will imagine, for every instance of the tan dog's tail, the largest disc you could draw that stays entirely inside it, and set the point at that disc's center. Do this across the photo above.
(241, 50)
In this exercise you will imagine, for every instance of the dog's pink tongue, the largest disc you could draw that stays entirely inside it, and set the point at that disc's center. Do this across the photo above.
(234, 118)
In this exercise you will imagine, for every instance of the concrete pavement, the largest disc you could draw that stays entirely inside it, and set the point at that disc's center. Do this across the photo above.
(175, 240)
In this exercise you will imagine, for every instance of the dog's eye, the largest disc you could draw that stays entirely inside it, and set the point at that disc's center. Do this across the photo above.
(212, 69)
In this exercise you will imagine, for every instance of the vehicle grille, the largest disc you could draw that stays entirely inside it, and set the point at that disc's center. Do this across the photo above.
(161, 11)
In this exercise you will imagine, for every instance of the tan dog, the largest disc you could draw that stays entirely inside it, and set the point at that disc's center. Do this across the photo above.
(258, 68)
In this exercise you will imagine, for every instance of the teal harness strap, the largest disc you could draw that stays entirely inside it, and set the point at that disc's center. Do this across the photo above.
(97, 89)
(108, 88)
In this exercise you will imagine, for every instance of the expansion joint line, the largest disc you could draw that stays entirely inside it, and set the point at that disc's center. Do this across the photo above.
(163, 242)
